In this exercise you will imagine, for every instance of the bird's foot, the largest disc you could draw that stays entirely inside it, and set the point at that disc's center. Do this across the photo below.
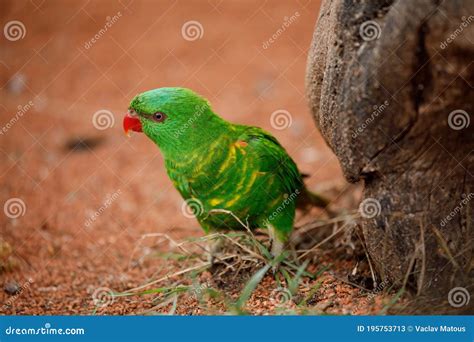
(277, 250)
(213, 249)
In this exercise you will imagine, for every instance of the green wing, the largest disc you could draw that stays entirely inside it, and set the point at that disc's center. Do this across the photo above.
(272, 157)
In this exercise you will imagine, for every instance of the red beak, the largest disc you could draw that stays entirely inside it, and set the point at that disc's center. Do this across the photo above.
(131, 123)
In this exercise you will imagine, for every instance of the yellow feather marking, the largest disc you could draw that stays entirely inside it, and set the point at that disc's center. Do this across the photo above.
(248, 183)
(210, 156)
(215, 201)
(243, 180)
(231, 156)
(245, 184)
(240, 144)
(277, 201)
(233, 201)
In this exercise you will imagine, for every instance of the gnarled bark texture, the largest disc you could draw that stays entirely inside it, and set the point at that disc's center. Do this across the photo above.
(391, 88)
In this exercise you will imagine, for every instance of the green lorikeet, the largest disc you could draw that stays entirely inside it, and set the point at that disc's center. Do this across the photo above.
(229, 174)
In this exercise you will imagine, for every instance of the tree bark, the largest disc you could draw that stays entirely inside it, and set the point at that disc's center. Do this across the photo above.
(391, 87)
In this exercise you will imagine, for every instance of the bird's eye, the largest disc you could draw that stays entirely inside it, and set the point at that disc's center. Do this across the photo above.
(159, 117)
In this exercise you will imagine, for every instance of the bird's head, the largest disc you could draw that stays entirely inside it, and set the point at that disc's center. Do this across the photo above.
(174, 118)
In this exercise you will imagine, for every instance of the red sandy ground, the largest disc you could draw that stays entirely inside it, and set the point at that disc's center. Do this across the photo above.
(67, 83)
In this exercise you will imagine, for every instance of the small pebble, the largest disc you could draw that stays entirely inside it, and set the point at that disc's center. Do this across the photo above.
(16, 84)
(12, 288)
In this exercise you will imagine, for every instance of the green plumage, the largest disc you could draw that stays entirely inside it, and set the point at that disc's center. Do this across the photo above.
(215, 164)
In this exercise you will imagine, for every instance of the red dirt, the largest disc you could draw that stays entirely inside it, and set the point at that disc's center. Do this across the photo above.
(52, 244)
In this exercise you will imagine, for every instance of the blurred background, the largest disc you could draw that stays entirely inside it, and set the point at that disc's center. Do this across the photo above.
(77, 193)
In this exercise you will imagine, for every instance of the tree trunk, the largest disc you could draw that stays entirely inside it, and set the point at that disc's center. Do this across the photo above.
(391, 88)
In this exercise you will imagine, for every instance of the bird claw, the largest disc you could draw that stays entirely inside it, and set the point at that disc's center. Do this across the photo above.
(275, 268)
(277, 250)
(211, 258)
(213, 249)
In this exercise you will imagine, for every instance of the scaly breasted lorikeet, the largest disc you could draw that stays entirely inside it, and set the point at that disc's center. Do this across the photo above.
(220, 165)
